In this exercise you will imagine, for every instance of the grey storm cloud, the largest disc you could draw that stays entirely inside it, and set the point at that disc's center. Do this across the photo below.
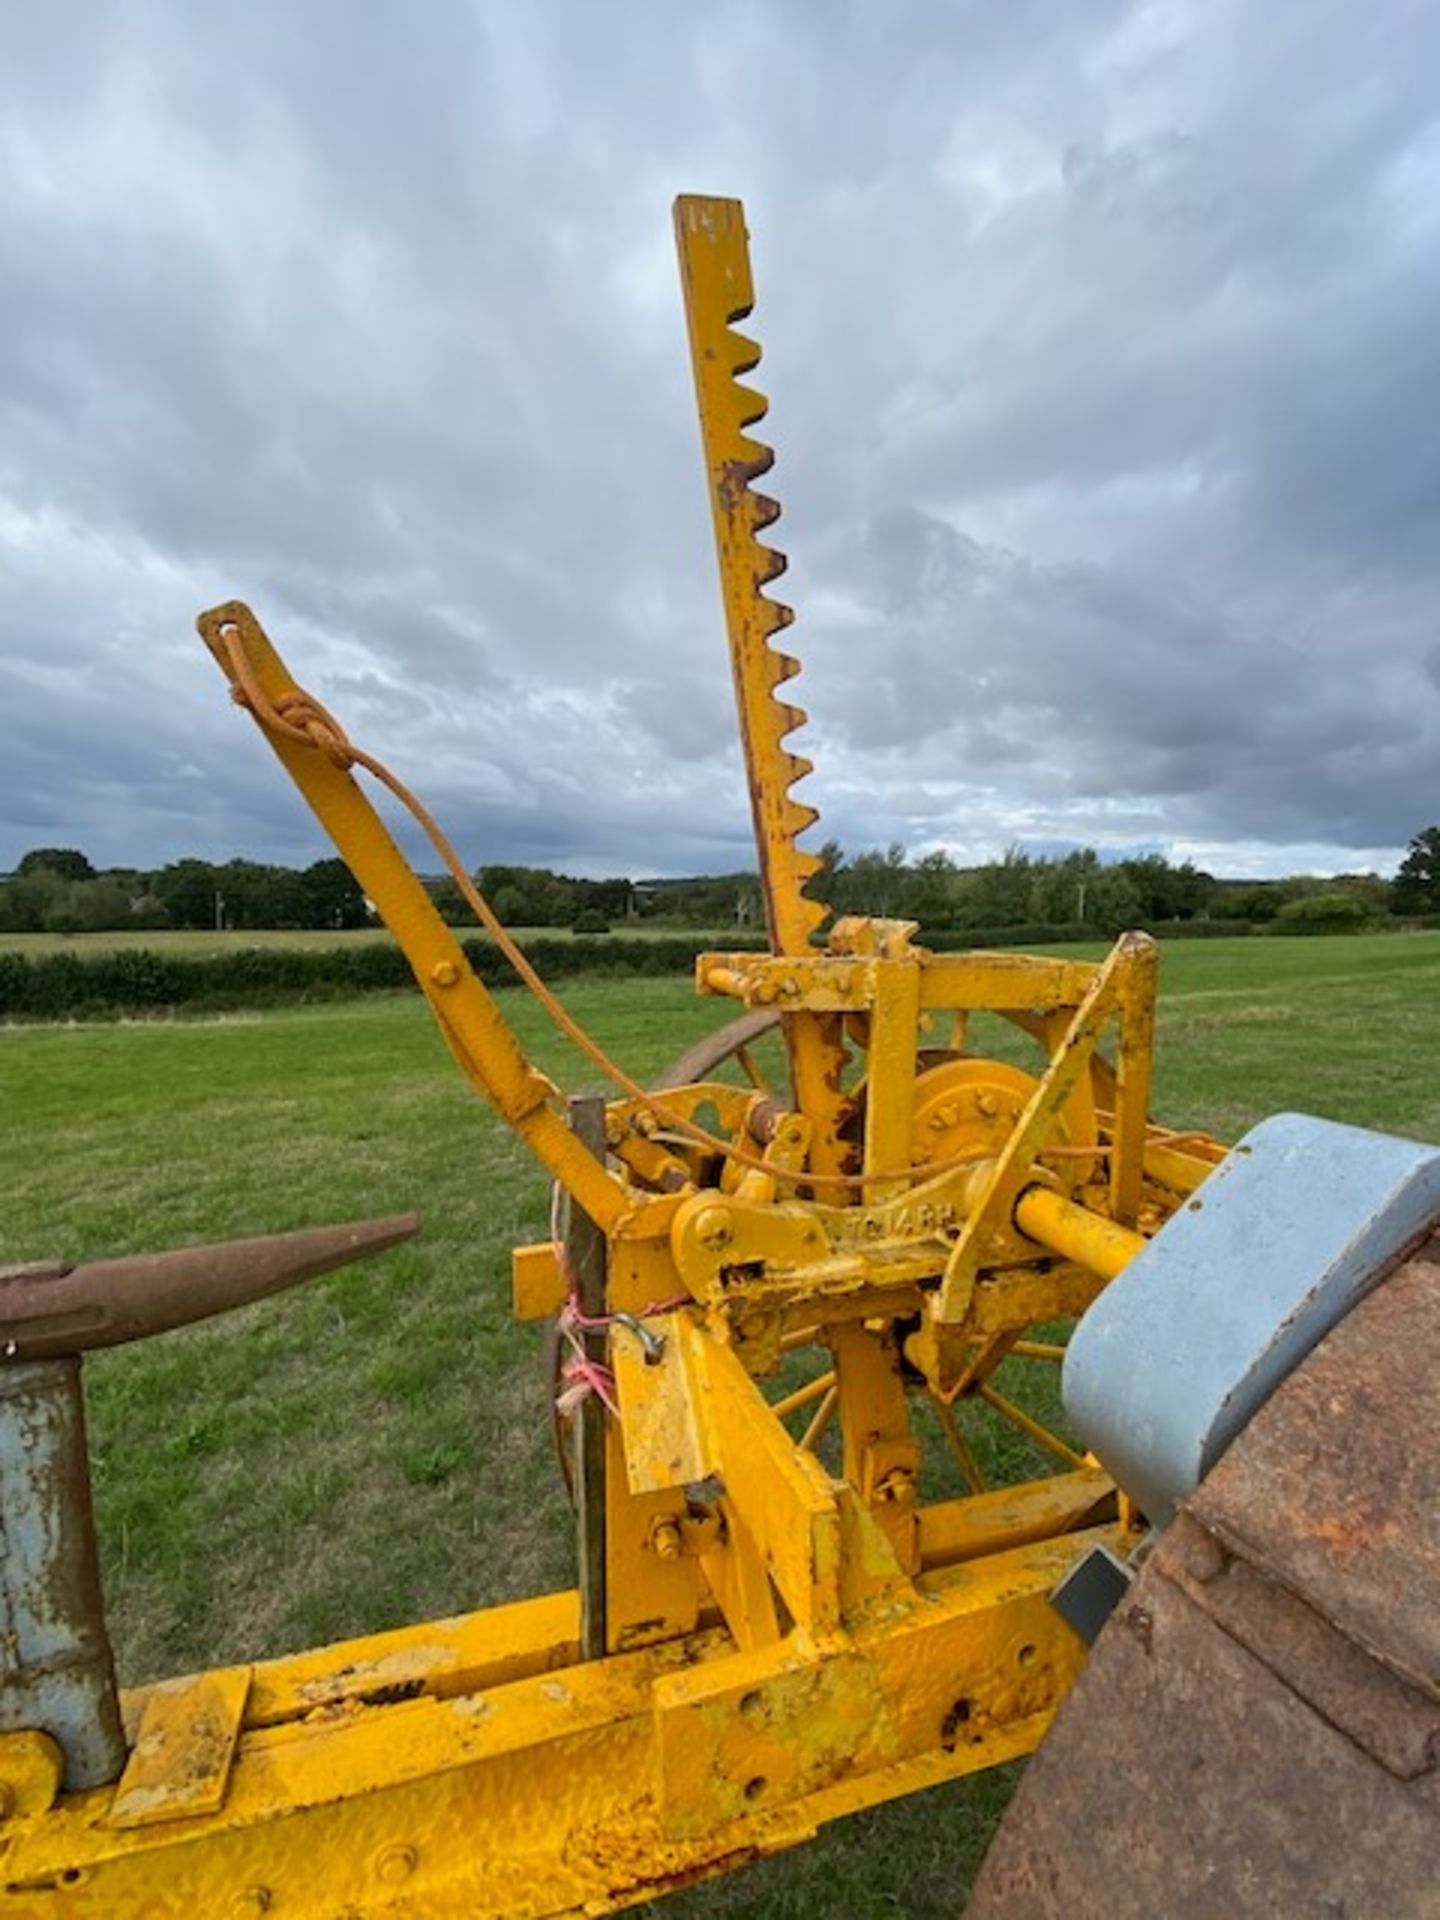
(1103, 341)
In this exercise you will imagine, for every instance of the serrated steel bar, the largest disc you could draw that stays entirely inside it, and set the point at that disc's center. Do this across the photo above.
(715, 273)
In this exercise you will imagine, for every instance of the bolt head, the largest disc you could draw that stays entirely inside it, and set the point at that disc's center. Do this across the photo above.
(444, 973)
(715, 1228)
(665, 1539)
(1204, 1559)
(395, 1864)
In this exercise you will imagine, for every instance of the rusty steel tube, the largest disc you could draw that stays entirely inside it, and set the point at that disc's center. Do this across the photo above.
(50, 1308)
(57, 1672)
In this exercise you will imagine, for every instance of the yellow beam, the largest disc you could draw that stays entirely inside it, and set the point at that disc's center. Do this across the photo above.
(580, 1787)
(474, 1028)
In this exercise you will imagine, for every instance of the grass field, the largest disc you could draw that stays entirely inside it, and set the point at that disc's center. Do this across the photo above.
(372, 1448)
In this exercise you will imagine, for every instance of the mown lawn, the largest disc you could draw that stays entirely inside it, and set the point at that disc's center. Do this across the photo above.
(373, 1448)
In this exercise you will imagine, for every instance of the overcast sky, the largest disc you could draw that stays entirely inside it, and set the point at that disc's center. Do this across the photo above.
(1104, 348)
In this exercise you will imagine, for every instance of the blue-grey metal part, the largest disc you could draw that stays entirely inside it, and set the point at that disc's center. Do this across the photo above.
(56, 1669)
(1301, 1219)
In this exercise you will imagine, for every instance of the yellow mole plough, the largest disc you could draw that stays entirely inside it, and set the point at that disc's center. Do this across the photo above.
(773, 1624)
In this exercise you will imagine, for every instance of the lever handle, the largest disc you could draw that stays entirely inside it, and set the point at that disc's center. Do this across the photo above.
(50, 1308)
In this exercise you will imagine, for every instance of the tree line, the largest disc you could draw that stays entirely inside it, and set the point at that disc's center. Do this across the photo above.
(58, 890)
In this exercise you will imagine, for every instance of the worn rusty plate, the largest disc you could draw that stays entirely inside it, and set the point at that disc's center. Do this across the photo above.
(1183, 1780)
(1336, 1494)
(1257, 1730)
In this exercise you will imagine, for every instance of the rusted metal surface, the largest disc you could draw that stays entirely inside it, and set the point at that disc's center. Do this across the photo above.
(57, 1673)
(701, 1060)
(1258, 1730)
(51, 1308)
(1338, 1498)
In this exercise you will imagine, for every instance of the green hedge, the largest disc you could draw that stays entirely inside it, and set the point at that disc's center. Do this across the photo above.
(137, 981)
(1036, 934)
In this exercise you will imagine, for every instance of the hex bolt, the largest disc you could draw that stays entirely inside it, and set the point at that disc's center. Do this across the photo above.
(444, 973)
(665, 1539)
(715, 1228)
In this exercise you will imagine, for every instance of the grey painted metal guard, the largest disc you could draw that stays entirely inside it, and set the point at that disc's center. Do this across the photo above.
(1300, 1220)
(56, 1670)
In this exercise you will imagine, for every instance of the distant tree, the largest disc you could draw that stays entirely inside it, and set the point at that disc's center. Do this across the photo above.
(186, 889)
(1370, 887)
(450, 903)
(832, 858)
(93, 906)
(259, 895)
(1166, 892)
(332, 895)
(1000, 893)
(875, 883)
(1417, 884)
(932, 894)
(1079, 886)
(31, 898)
(67, 863)
(609, 898)
(1260, 901)
(512, 905)
(1334, 912)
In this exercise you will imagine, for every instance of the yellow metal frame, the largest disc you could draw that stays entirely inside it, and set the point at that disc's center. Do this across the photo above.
(786, 1640)
(474, 1767)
